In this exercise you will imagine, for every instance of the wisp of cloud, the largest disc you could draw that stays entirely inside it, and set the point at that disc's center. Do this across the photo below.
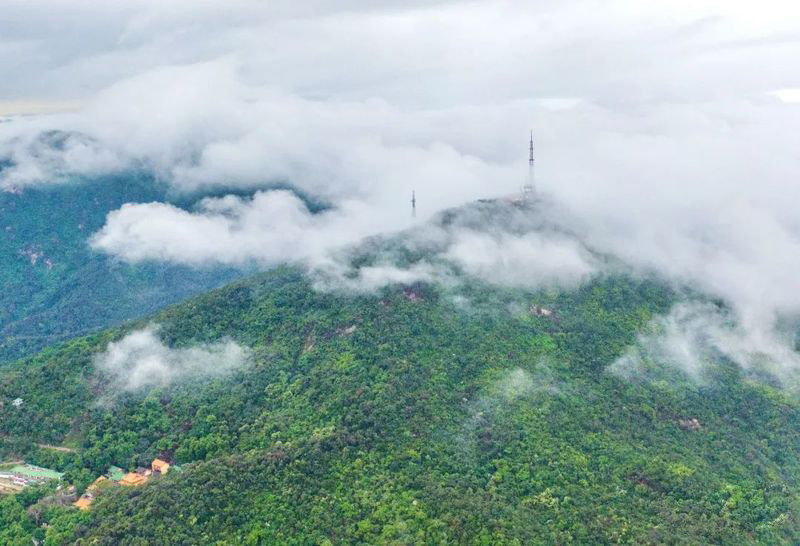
(140, 360)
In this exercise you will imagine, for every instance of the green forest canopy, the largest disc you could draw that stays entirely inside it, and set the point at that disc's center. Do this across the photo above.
(390, 419)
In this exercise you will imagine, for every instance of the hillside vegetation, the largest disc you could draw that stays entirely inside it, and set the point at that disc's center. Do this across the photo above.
(414, 416)
(55, 288)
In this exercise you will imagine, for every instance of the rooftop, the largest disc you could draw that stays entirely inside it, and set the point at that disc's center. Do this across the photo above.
(160, 466)
(133, 479)
(32, 471)
(115, 473)
(83, 503)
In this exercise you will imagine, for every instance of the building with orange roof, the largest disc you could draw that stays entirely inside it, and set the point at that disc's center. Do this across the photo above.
(83, 503)
(87, 498)
(162, 467)
(96, 483)
(132, 479)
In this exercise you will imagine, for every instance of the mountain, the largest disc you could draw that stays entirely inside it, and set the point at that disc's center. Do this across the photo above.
(425, 413)
(54, 287)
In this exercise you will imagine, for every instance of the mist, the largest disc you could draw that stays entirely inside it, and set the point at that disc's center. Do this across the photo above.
(695, 336)
(664, 137)
(140, 361)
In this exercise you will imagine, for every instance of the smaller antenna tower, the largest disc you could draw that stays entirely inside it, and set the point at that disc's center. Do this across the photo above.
(413, 204)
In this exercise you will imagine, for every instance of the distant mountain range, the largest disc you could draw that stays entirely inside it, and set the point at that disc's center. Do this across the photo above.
(54, 287)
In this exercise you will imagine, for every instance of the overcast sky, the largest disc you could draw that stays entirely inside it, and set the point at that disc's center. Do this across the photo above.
(668, 129)
(418, 53)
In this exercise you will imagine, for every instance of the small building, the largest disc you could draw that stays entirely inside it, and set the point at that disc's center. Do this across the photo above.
(28, 474)
(17, 402)
(89, 495)
(159, 466)
(95, 484)
(133, 479)
(9, 483)
(83, 503)
(115, 473)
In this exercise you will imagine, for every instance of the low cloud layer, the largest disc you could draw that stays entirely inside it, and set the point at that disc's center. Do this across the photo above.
(496, 242)
(520, 249)
(140, 360)
(693, 336)
(270, 228)
(666, 129)
(532, 259)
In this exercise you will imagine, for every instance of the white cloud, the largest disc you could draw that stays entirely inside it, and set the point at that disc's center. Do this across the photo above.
(336, 276)
(654, 121)
(28, 107)
(141, 360)
(270, 228)
(693, 335)
(790, 95)
(275, 227)
(532, 259)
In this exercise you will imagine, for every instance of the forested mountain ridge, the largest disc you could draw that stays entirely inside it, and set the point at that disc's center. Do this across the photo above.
(54, 287)
(410, 416)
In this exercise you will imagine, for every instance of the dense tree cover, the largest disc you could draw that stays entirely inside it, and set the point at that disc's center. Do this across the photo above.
(55, 288)
(446, 417)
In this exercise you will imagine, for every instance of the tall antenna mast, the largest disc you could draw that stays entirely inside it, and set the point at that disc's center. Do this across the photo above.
(529, 189)
(413, 204)
(530, 157)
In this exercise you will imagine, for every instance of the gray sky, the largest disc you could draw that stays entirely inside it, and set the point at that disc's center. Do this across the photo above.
(667, 128)
(419, 53)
